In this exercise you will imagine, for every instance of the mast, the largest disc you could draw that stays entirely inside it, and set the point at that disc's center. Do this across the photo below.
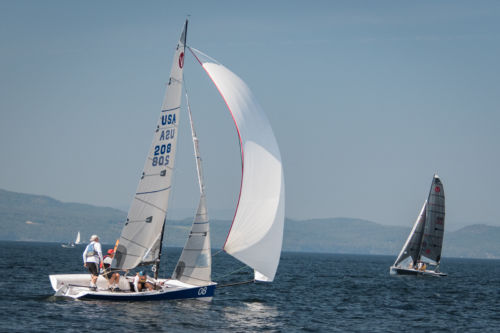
(157, 263)
(421, 235)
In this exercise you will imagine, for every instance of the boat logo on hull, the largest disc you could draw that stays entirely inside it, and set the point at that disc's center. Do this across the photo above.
(202, 291)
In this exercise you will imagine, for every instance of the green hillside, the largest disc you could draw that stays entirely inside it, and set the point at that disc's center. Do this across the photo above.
(26, 217)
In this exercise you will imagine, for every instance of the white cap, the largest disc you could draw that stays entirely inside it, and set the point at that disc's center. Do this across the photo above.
(93, 237)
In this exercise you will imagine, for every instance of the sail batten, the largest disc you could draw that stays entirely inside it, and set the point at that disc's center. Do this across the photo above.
(256, 234)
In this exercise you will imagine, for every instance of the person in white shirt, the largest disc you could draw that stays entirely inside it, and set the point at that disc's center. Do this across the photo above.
(92, 256)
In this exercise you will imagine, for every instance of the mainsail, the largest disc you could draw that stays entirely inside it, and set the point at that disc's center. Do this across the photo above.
(256, 234)
(140, 240)
(195, 263)
(425, 241)
(77, 241)
(432, 240)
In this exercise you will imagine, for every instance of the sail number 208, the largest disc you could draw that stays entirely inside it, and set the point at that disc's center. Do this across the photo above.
(159, 158)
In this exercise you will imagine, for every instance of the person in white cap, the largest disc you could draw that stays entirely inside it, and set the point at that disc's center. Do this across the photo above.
(92, 256)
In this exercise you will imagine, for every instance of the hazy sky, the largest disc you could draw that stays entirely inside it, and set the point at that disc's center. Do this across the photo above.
(367, 100)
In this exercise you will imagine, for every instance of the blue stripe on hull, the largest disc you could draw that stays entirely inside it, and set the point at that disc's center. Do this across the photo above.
(197, 292)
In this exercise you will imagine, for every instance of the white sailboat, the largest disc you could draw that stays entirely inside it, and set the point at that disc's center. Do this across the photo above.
(255, 236)
(421, 252)
(72, 244)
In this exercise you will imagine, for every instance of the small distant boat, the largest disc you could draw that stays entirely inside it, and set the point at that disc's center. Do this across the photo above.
(421, 254)
(256, 234)
(73, 244)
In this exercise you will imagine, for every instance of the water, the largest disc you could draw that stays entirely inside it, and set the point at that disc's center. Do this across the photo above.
(311, 293)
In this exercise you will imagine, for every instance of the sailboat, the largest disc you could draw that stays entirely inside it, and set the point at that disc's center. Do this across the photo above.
(72, 244)
(421, 254)
(256, 234)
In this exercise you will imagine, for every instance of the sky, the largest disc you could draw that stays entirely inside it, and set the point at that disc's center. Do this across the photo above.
(367, 99)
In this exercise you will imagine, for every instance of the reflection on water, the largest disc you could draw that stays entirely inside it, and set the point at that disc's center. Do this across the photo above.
(251, 315)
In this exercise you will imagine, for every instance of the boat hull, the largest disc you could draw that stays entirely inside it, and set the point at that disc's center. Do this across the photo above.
(408, 271)
(76, 286)
(205, 293)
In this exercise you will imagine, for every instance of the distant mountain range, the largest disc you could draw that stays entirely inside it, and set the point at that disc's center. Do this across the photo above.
(27, 217)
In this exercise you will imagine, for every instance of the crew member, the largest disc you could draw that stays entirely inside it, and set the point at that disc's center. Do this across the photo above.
(92, 256)
(111, 274)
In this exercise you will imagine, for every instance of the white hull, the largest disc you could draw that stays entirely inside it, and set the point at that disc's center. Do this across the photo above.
(76, 286)
(409, 271)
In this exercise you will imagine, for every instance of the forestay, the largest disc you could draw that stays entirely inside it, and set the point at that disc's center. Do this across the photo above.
(140, 240)
(256, 234)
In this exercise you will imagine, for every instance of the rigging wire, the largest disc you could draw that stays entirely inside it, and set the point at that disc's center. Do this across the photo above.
(239, 269)
(216, 253)
(235, 284)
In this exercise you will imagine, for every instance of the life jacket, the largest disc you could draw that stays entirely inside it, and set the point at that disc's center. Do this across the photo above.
(143, 279)
(102, 262)
(91, 251)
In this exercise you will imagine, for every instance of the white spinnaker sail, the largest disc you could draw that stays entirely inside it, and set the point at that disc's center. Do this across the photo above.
(77, 241)
(256, 234)
(412, 244)
(140, 239)
(195, 263)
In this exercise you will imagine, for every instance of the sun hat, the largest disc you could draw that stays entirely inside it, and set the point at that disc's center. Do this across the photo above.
(110, 251)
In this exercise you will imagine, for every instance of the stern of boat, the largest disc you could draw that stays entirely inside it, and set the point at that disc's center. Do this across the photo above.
(64, 283)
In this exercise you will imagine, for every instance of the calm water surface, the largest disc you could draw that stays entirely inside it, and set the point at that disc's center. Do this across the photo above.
(311, 293)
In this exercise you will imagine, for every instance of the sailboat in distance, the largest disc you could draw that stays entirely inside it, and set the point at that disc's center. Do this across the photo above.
(421, 254)
(256, 234)
(72, 244)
